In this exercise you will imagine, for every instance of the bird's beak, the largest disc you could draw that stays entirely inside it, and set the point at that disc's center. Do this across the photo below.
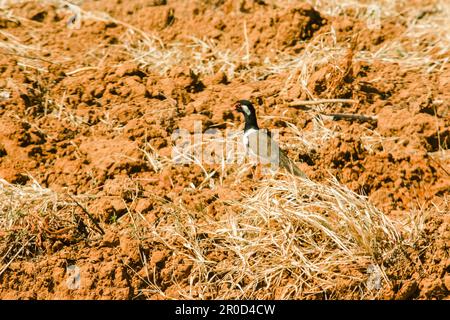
(237, 107)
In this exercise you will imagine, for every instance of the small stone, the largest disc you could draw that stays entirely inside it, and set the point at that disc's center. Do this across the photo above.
(218, 78)
(110, 239)
(118, 206)
(136, 88)
(127, 69)
(158, 257)
(4, 95)
(144, 205)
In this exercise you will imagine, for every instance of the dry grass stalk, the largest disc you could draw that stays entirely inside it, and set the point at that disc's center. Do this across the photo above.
(31, 216)
(296, 235)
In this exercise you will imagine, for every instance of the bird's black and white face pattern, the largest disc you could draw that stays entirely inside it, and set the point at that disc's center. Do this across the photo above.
(246, 108)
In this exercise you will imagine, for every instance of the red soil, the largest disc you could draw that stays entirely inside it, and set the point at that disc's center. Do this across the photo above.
(118, 106)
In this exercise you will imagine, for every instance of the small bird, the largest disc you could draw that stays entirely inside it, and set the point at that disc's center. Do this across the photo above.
(260, 143)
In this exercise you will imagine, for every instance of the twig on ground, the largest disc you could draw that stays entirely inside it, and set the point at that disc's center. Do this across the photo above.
(15, 256)
(99, 229)
(320, 101)
(70, 73)
(351, 117)
(28, 57)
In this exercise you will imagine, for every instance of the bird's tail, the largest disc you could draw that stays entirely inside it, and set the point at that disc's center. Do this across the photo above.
(290, 166)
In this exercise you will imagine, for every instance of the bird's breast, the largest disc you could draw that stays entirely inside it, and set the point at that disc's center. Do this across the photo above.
(259, 144)
(249, 134)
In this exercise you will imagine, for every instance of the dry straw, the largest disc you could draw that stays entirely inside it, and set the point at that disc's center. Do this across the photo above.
(291, 238)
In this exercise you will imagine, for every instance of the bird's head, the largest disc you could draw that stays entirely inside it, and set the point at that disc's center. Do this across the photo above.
(245, 107)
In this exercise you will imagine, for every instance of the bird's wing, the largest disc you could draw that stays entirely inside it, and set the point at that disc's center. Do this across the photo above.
(289, 165)
(260, 145)
(268, 152)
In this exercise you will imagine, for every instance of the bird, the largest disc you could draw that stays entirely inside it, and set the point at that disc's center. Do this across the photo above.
(260, 143)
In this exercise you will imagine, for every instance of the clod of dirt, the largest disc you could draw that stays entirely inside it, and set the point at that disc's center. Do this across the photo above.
(144, 205)
(129, 69)
(447, 281)
(108, 210)
(407, 290)
(130, 248)
(96, 121)
(216, 79)
(298, 24)
(158, 258)
(110, 239)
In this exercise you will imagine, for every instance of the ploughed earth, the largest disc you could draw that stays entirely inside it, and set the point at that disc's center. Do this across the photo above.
(94, 204)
